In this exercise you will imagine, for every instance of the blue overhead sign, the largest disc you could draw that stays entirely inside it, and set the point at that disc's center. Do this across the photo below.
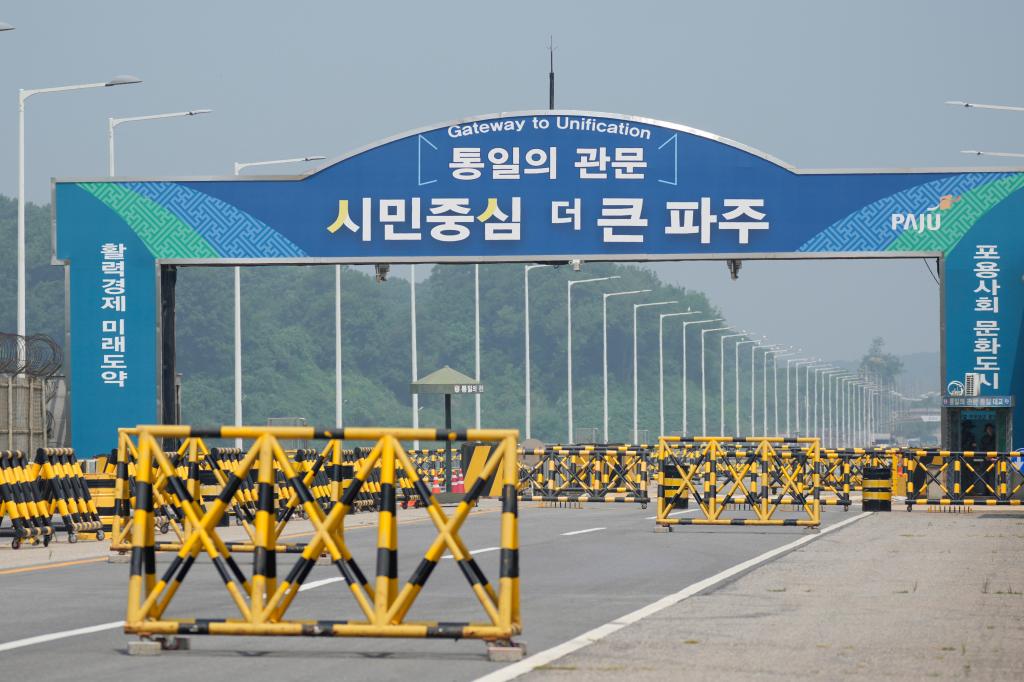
(532, 186)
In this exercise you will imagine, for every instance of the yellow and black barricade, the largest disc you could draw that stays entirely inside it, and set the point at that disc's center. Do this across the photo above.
(731, 478)
(262, 600)
(21, 502)
(961, 479)
(581, 474)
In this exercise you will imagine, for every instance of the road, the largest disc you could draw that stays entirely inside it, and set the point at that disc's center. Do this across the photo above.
(580, 568)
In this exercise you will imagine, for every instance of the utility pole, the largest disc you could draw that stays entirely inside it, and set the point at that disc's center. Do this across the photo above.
(551, 72)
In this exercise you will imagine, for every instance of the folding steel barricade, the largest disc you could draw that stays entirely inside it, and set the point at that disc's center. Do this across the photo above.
(574, 475)
(962, 479)
(261, 599)
(729, 477)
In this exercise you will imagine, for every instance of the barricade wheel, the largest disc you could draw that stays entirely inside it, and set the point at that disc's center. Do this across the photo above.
(72, 538)
(100, 535)
(46, 539)
(16, 543)
(910, 507)
(165, 528)
(846, 507)
(643, 506)
(405, 504)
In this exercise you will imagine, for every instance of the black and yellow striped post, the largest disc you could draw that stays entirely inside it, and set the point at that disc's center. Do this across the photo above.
(877, 492)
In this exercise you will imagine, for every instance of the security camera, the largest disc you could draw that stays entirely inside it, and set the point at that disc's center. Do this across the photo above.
(380, 272)
(576, 264)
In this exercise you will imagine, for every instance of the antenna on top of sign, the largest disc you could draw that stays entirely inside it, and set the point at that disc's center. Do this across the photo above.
(551, 72)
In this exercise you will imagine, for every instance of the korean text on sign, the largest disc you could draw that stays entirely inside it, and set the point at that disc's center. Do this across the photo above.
(986, 307)
(113, 305)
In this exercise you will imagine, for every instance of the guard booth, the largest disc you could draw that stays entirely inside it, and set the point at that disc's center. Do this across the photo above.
(979, 423)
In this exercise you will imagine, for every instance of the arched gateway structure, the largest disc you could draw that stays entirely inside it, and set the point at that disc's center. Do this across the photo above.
(528, 186)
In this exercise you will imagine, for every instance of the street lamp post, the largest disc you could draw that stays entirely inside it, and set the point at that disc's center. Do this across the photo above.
(23, 95)
(476, 334)
(775, 353)
(736, 359)
(703, 380)
(661, 366)
(568, 288)
(114, 122)
(767, 348)
(796, 391)
(828, 424)
(636, 307)
(526, 329)
(789, 405)
(604, 347)
(238, 167)
(817, 402)
(721, 380)
(686, 403)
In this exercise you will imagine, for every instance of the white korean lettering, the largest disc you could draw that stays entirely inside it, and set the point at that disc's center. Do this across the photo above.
(392, 215)
(451, 219)
(566, 212)
(743, 208)
(622, 214)
(681, 218)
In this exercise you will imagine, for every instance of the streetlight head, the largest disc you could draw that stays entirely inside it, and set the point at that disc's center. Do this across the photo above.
(314, 158)
(972, 152)
(5, 27)
(957, 103)
(122, 80)
(196, 112)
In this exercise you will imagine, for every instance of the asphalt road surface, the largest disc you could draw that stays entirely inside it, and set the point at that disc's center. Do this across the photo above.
(580, 568)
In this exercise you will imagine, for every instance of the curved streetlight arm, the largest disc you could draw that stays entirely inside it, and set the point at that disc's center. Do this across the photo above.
(117, 80)
(1012, 155)
(114, 122)
(972, 105)
(248, 164)
(571, 282)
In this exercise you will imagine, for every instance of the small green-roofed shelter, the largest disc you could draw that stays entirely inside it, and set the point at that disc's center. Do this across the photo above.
(447, 382)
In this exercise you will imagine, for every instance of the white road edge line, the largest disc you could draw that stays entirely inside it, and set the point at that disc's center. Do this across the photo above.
(531, 663)
(585, 530)
(675, 513)
(40, 639)
(474, 552)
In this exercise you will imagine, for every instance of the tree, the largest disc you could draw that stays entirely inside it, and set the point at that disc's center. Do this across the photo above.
(877, 363)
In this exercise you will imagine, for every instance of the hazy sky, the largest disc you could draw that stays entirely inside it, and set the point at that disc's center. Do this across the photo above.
(818, 84)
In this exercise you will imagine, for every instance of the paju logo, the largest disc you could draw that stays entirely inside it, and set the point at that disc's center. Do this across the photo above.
(930, 220)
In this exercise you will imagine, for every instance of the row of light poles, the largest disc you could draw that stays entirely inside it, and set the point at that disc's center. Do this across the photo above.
(846, 409)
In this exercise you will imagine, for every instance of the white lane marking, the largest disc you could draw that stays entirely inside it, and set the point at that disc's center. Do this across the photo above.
(530, 663)
(64, 634)
(675, 513)
(585, 530)
(40, 639)
(474, 552)
(319, 583)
